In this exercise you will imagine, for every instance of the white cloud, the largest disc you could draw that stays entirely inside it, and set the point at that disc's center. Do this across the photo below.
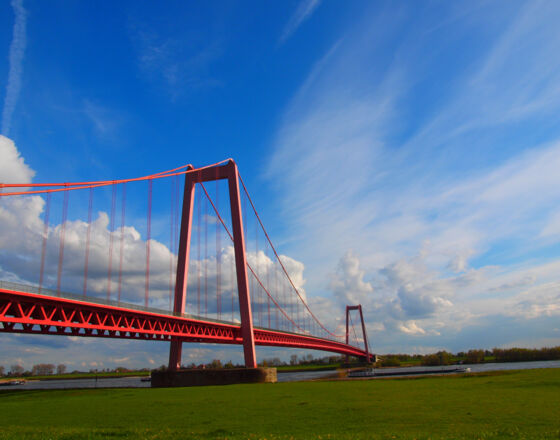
(411, 328)
(518, 281)
(13, 168)
(301, 14)
(348, 281)
(17, 52)
(537, 301)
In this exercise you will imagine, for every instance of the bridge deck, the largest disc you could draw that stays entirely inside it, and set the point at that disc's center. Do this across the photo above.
(22, 311)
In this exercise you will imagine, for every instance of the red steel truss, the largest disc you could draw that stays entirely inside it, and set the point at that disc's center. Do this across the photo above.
(23, 312)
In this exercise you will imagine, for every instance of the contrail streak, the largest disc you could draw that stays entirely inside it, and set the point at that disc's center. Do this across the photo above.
(17, 51)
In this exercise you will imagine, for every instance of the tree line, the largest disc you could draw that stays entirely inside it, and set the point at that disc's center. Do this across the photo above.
(475, 356)
(17, 370)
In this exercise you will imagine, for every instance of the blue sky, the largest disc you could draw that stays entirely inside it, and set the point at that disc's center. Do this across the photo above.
(406, 153)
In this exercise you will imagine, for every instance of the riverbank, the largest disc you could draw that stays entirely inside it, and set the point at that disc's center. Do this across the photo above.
(507, 404)
(77, 376)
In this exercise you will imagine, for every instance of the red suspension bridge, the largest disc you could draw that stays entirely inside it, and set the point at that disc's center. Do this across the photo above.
(204, 274)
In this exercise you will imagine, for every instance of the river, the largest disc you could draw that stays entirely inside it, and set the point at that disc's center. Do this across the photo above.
(135, 382)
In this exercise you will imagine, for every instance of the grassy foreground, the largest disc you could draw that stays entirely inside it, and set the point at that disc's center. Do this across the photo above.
(514, 404)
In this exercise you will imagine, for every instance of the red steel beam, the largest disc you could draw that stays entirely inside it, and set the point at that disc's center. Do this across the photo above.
(23, 312)
(175, 350)
(241, 268)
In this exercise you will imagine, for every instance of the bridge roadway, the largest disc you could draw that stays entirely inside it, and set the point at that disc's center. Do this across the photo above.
(22, 310)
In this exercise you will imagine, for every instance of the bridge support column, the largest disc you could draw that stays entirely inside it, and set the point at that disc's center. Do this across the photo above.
(359, 308)
(241, 269)
(175, 351)
(229, 172)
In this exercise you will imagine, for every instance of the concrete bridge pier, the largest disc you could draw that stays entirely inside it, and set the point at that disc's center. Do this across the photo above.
(222, 376)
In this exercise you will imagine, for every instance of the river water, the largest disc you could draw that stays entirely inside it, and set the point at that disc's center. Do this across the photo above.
(135, 382)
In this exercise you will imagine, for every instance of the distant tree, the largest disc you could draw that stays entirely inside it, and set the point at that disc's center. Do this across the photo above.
(516, 354)
(216, 363)
(1, 370)
(335, 359)
(391, 361)
(16, 370)
(475, 357)
(272, 362)
(42, 369)
(293, 359)
(61, 369)
(430, 360)
(439, 358)
(275, 362)
(229, 364)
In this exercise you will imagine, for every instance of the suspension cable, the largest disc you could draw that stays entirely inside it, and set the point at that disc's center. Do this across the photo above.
(248, 265)
(280, 261)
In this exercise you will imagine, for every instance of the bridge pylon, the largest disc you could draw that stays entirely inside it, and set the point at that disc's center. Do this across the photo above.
(228, 171)
(359, 309)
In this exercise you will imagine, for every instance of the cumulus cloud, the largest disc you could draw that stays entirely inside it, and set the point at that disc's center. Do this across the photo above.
(538, 301)
(13, 168)
(405, 291)
(348, 280)
(411, 328)
(22, 236)
(419, 292)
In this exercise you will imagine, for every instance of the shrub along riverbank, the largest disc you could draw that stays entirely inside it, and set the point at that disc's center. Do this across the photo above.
(513, 404)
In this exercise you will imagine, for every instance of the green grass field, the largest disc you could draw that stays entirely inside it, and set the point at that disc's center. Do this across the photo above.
(514, 404)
